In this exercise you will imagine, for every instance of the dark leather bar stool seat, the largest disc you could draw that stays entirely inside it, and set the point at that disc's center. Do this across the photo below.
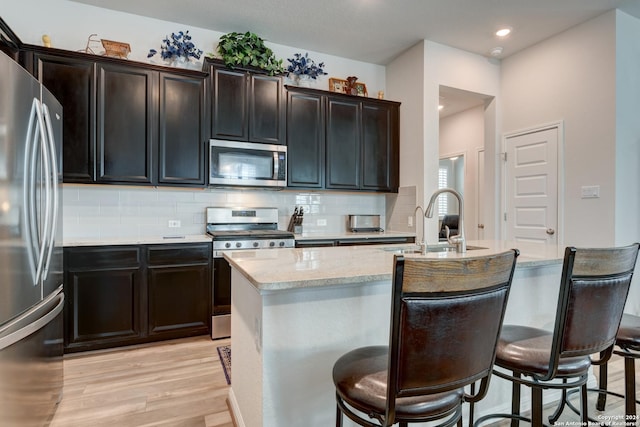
(527, 349)
(446, 316)
(593, 291)
(628, 341)
(366, 395)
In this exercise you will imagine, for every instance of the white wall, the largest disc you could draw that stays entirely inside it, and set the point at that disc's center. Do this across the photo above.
(419, 130)
(463, 133)
(69, 24)
(627, 178)
(571, 77)
(405, 83)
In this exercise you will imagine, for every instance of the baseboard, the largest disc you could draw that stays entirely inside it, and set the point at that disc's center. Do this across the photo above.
(232, 404)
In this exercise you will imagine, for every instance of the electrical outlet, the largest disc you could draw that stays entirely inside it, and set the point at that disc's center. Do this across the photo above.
(174, 223)
(410, 221)
(321, 223)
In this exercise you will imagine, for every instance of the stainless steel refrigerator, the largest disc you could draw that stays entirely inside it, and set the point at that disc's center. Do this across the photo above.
(31, 270)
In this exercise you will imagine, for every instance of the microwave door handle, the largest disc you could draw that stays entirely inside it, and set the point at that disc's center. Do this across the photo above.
(276, 165)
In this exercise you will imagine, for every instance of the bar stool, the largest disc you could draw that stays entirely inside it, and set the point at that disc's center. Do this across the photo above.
(446, 316)
(593, 291)
(628, 341)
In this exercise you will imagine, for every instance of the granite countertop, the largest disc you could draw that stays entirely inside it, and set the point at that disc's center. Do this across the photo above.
(195, 238)
(152, 240)
(296, 268)
(352, 235)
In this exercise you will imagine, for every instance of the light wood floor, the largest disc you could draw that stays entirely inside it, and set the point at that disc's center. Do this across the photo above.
(179, 383)
(173, 383)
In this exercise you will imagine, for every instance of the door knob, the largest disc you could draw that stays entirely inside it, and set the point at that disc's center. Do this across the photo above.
(551, 231)
(481, 226)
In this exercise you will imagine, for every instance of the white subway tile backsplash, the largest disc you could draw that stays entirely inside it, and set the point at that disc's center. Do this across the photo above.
(92, 211)
(210, 198)
(137, 196)
(175, 196)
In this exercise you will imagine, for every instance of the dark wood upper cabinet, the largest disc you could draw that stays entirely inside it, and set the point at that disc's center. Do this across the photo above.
(305, 139)
(246, 106)
(266, 109)
(72, 82)
(342, 142)
(380, 147)
(182, 153)
(127, 123)
(229, 104)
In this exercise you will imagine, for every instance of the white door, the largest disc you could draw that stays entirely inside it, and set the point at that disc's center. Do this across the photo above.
(480, 194)
(531, 182)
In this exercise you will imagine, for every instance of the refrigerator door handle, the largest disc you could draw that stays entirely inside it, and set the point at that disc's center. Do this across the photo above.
(44, 237)
(31, 327)
(28, 213)
(53, 211)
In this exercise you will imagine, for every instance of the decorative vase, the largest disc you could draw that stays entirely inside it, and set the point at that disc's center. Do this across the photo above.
(179, 62)
(302, 80)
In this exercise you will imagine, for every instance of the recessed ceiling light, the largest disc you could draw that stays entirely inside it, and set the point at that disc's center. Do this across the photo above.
(503, 32)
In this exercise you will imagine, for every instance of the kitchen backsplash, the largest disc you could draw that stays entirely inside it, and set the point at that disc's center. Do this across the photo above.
(105, 211)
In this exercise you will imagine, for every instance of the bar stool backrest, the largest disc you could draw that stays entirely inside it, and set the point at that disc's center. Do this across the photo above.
(593, 292)
(446, 318)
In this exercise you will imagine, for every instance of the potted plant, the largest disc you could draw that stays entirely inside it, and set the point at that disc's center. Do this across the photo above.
(302, 67)
(178, 47)
(248, 50)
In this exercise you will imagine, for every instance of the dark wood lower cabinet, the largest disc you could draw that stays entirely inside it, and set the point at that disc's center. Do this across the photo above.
(102, 288)
(179, 282)
(122, 295)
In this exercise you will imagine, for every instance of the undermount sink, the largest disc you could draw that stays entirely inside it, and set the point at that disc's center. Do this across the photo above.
(433, 248)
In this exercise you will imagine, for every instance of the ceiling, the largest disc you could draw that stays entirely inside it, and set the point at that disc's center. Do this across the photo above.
(376, 31)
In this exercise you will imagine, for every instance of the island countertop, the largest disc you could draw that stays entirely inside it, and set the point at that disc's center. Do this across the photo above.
(296, 268)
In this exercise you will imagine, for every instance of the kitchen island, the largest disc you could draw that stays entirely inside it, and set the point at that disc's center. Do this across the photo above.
(296, 311)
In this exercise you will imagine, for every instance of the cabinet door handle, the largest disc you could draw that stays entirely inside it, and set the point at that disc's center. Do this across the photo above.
(481, 226)
(551, 231)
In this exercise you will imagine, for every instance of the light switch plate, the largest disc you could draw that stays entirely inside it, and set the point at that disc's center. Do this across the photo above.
(590, 191)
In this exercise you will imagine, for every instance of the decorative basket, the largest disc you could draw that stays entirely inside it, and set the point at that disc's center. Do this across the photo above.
(116, 49)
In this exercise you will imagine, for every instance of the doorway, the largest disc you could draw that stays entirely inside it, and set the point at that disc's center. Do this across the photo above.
(462, 133)
(532, 185)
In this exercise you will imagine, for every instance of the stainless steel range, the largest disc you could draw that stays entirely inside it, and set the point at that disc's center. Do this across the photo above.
(238, 228)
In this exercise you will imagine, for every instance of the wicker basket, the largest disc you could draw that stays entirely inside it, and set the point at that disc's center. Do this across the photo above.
(116, 49)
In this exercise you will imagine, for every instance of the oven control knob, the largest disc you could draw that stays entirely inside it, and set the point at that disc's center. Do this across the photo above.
(238, 245)
(272, 244)
(256, 244)
(227, 245)
(281, 244)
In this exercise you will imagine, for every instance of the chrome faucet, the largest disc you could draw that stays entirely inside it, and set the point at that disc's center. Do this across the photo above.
(421, 243)
(458, 240)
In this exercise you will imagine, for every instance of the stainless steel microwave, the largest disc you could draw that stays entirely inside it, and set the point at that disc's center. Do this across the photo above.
(247, 164)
